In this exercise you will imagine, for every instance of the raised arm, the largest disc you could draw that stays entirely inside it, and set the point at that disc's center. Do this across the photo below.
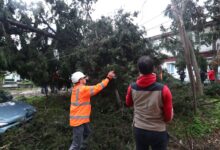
(100, 86)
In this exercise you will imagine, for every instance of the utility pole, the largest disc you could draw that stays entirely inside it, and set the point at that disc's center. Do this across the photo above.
(189, 55)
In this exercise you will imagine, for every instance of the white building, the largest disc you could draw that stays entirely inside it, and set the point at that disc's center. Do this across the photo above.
(206, 51)
(13, 77)
(10, 80)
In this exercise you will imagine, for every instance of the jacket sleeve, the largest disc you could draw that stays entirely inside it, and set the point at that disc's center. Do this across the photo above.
(95, 89)
(129, 100)
(167, 104)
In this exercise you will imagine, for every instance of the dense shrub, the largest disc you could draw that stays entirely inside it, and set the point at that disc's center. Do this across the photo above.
(182, 100)
(5, 96)
(213, 89)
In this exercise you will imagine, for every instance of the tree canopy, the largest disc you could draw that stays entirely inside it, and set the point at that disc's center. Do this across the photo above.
(54, 37)
(57, 38)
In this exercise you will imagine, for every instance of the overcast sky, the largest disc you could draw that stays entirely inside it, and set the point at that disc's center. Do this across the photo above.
(150, 12)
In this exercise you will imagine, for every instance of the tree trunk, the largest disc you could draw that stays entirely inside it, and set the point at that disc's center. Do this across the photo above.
(186, 47)
(199, 86)
(214, 39)
(189, 65)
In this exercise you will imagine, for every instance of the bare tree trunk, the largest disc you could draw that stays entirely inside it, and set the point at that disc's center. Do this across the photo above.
(189, 65)
(199, 86)
(186, 47)
(214, 39)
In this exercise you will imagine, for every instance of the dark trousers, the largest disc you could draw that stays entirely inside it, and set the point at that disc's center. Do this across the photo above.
(80, 135)
(145, 139)
(212, 81)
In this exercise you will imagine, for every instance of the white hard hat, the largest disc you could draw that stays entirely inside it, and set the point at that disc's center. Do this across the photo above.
(76, 76)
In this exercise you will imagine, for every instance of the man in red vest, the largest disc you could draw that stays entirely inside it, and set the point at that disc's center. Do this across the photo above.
(152, 102)
(80, 107)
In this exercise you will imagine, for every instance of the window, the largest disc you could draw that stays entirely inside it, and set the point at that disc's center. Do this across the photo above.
(171, 68)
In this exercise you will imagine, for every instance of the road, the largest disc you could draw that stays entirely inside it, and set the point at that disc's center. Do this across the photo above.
(26, 92)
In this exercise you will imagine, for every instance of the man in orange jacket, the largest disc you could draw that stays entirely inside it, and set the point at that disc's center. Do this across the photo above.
(80, 108)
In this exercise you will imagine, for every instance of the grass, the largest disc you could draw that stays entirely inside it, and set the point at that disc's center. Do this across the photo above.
(111, 126)
(198, 128)
(50, 129)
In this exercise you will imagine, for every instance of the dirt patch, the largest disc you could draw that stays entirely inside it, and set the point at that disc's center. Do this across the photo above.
(214, 140)
(211, 142)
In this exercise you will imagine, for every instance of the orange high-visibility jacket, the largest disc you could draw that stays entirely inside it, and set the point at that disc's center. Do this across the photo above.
(80, 108)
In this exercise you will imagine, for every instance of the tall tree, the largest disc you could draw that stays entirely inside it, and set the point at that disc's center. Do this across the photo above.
(32, 35)
(213, 13)
(188, 16)
(55, 38)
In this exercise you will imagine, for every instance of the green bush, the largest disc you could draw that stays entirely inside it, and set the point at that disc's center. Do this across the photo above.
(213, 89)
(5, 96)
(182, 99)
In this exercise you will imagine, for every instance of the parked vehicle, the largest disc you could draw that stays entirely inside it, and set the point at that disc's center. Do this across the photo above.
(13, 112)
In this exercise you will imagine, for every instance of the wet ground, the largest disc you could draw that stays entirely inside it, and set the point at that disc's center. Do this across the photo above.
(209, 142)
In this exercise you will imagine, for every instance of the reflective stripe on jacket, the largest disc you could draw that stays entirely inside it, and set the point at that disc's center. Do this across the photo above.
(80, 107)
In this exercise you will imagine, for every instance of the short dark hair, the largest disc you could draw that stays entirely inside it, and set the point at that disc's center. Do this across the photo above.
(145, 64)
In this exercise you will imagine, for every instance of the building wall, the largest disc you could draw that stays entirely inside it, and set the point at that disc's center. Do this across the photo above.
(169, 66)
(205, 50)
